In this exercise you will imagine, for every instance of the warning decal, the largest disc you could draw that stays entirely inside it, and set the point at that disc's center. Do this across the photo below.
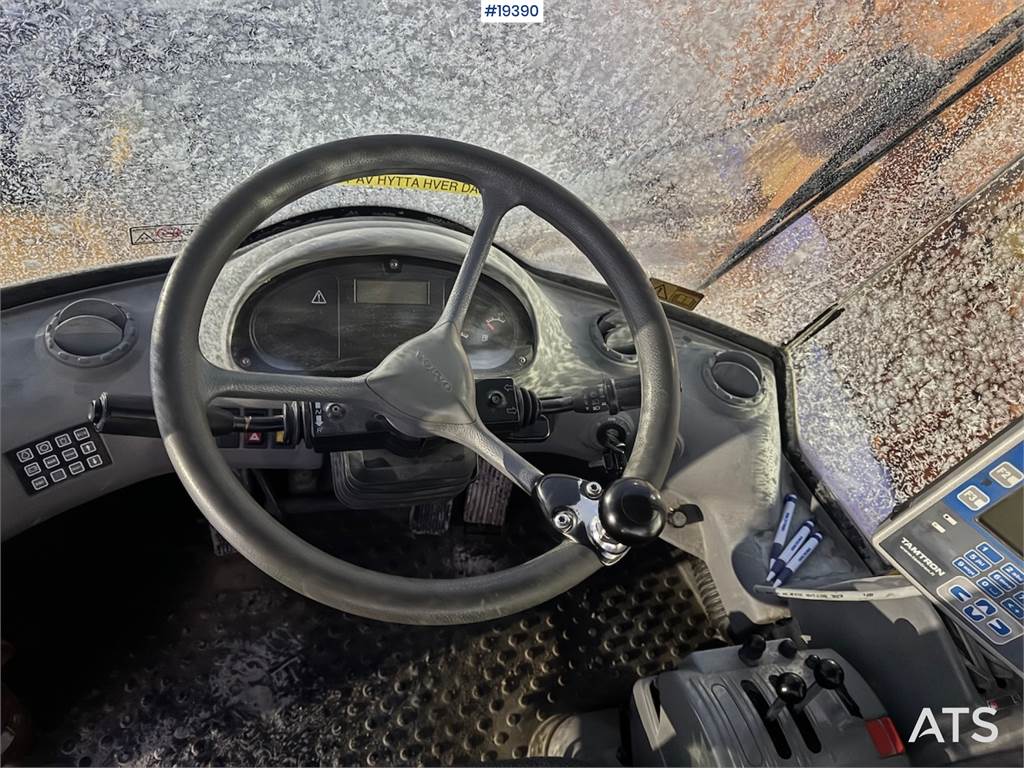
(676, 294)
(412, 181)
(160, 233)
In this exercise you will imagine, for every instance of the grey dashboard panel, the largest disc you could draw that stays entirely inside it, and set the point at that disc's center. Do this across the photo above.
(41, 395)
(729, 460)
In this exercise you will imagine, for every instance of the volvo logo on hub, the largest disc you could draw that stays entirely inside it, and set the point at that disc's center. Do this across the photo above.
(439, 377)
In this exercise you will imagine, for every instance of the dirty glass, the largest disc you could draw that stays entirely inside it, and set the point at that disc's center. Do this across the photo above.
(687, 126)
(784, 157)
(926, 361)
(879, 214)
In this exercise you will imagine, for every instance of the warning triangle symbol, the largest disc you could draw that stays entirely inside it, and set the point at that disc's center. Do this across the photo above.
(144, 237)
(318, 298)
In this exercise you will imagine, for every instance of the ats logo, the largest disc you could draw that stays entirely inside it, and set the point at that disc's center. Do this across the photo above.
(928, 725)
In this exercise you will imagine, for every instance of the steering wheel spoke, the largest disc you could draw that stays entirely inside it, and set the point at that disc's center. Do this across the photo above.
(461, 295)
(259, 385)
(494, 451)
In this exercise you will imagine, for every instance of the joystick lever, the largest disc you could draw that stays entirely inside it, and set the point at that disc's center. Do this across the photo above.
(790, 690)
(828, 676)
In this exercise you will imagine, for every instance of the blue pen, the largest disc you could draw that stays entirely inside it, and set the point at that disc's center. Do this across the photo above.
(805, 530)
(782, 531)
(793, 565)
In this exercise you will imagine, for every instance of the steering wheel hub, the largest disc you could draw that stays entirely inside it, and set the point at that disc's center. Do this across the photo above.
(427, 379)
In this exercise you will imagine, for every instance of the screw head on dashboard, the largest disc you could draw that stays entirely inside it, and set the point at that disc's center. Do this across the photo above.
(245, 362)
(592, 489)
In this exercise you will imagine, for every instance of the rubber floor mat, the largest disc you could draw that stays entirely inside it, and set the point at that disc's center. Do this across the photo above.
(242, 671)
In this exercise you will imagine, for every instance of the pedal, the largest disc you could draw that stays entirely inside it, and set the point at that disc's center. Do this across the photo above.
(431, 519)
(221, 547)
(487, 497)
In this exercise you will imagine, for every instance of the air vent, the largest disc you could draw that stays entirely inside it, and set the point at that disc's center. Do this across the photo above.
(612, 336)
(90, 332)
(736, 377)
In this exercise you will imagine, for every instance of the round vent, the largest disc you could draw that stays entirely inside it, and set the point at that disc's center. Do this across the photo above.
(89, 333)
(736, 377)
(612, 336)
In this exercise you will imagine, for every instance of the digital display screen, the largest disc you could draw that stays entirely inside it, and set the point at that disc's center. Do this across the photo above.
(392, 291)
(1006, 520)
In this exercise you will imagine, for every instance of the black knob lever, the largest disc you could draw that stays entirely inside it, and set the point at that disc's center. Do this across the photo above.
(632, 511)
(752, 650)
(790, 690)
(828, 676)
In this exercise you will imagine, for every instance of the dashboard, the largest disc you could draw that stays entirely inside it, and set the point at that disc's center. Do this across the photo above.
(341, 317)
(333, 297)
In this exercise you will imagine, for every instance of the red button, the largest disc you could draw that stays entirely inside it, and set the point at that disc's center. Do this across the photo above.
(254, 439)
(886, 738)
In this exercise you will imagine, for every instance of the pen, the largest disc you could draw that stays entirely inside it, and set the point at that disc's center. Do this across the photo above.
(798, 559)
(782, 531)
(805, 530)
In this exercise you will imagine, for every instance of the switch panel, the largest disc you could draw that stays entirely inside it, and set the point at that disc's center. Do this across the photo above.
(58, 458)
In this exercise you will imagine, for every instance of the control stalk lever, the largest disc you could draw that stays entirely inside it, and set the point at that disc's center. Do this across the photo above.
(134, 415)
(612, 395)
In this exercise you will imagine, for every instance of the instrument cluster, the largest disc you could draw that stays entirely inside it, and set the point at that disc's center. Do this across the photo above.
(342, 317)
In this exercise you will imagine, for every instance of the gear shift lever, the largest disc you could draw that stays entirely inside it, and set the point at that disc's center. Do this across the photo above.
(790, 690)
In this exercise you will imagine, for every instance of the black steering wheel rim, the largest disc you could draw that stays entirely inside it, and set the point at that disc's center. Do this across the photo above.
(177, 369)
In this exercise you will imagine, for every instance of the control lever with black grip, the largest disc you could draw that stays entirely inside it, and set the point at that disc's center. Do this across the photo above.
(828, 676)
(611, 395)
(134, 415)
(790, 691)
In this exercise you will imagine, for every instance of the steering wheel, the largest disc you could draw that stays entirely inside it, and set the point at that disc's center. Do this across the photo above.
(425, 387)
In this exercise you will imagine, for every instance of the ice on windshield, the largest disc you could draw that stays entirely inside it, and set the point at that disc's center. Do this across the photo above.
(926, 362)
(687, 127)
(776, 155)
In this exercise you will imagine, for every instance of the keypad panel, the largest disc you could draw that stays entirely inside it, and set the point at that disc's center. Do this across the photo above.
(58, 458)
(975, 573)
(999, 621)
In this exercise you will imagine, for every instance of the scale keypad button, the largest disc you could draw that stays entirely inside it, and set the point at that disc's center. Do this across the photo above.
(989, 588)
(991, 554)
(977, 560)
(965, 568)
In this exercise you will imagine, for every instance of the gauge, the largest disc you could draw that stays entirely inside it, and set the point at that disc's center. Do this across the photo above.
(488, 336)
(342, 318)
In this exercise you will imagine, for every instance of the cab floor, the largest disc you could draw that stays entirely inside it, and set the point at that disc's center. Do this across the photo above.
(134, 644)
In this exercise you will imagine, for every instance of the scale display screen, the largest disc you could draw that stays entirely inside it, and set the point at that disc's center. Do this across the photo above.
(1006, 520)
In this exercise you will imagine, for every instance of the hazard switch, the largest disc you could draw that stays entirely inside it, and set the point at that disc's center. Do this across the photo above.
(254, 440)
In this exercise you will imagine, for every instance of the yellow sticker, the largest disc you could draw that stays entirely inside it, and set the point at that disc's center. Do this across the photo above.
(676, 294)
(411, 181)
